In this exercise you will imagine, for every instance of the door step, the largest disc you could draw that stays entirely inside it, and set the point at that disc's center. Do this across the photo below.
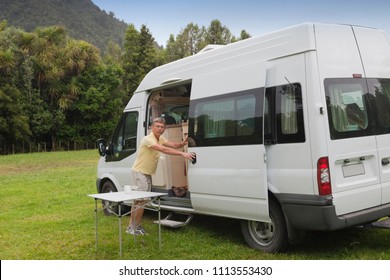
(385, 223)
(176, 220)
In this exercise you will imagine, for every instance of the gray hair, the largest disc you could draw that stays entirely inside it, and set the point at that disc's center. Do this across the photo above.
(159, 120)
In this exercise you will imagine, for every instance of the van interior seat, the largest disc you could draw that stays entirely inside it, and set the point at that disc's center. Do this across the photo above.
(169, 120)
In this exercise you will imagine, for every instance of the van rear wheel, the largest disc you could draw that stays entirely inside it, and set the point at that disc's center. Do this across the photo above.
(269, 237)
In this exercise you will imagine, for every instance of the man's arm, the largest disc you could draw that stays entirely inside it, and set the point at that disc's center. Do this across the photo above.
(176, 145)
(170, 151)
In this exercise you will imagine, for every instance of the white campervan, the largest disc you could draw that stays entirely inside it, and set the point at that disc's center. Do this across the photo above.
(291, 132)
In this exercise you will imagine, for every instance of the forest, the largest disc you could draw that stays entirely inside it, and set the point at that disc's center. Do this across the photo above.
(61, 93)
(82, 19)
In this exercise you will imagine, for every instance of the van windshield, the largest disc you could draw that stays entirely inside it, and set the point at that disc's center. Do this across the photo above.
(358, 107)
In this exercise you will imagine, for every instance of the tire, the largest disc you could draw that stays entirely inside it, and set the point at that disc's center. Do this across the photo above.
(268, 237)
(108, 208)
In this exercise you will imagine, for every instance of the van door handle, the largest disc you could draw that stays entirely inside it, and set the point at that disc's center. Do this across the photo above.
(385, 161)
(194, 159)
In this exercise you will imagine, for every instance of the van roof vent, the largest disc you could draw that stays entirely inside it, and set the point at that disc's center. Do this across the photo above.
(210, 47)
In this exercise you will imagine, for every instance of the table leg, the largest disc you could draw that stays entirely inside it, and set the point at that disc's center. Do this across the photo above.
(159, 224)
(120, 228)
(96, 225)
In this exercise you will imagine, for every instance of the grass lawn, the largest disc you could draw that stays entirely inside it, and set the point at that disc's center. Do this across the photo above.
(45, 214)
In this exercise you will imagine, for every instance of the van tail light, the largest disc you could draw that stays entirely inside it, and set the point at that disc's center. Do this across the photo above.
(323, 176)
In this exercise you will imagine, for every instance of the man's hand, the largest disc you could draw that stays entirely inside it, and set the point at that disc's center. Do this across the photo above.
(189, 156)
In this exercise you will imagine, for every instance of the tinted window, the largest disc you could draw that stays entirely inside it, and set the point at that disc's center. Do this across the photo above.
(284, 114)
(380, 99)
(347, 107)
(229, 119)
(358, 107)
(124, 142)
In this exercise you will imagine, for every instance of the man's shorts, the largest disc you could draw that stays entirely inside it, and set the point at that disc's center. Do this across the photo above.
(141, 181)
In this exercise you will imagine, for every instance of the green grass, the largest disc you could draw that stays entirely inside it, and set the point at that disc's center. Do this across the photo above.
(45, 214)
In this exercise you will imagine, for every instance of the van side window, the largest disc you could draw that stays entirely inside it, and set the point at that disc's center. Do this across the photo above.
(229, 119)
(380, 88)
(347, 107)
(124, 142)
(284, 114)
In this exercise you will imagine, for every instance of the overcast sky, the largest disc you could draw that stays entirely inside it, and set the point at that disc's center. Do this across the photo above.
(255, 16)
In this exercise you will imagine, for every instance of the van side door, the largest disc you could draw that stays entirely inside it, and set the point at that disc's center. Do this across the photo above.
(226, 123)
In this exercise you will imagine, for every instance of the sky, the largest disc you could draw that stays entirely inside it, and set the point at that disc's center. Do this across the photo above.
(257, 17)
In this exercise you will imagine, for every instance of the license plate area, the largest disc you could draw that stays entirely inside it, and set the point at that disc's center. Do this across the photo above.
(355, 169)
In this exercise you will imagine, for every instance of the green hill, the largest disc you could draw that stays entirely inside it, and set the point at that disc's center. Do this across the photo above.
(82, 19)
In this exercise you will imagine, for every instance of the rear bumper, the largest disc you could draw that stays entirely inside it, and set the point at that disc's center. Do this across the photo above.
(309, 212)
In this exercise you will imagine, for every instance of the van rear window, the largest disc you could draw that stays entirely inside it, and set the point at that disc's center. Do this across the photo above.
(380, 88)
(358, 107)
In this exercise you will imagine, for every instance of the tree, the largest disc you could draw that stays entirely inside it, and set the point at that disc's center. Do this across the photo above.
(188, 42)
(140, 56)
(15, 72)
(99, 104)
(13, 123)
(244, 35)
(171, 51)
(131, 59)
(3, 25)
(218, 33)
(113, 55)
(148, 52)
(193, 39)
(58, 63)
(39, 116)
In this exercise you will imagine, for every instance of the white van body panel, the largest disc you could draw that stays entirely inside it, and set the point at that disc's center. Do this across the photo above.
(230, 180)
(288, 41)
(355, 162)
(377, 65)
(287, 163)
(376, 57)
(218, 188)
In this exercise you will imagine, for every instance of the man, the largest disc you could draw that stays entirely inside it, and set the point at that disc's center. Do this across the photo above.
(145, 166)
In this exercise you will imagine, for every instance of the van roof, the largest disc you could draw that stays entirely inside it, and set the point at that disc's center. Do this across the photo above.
(292, 40)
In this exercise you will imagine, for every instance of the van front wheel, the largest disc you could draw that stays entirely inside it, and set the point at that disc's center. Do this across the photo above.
(269, 237)
(109, 208)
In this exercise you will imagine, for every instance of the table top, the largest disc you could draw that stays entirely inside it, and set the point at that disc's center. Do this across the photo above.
(122, 196)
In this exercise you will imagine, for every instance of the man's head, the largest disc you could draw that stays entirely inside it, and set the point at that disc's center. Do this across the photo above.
(158, 127)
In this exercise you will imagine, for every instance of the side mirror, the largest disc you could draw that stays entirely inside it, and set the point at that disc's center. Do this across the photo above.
(102, 146)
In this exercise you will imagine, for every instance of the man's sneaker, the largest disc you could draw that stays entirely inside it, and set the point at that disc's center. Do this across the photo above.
(138, 231)
(141, 231)
(130, 230)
